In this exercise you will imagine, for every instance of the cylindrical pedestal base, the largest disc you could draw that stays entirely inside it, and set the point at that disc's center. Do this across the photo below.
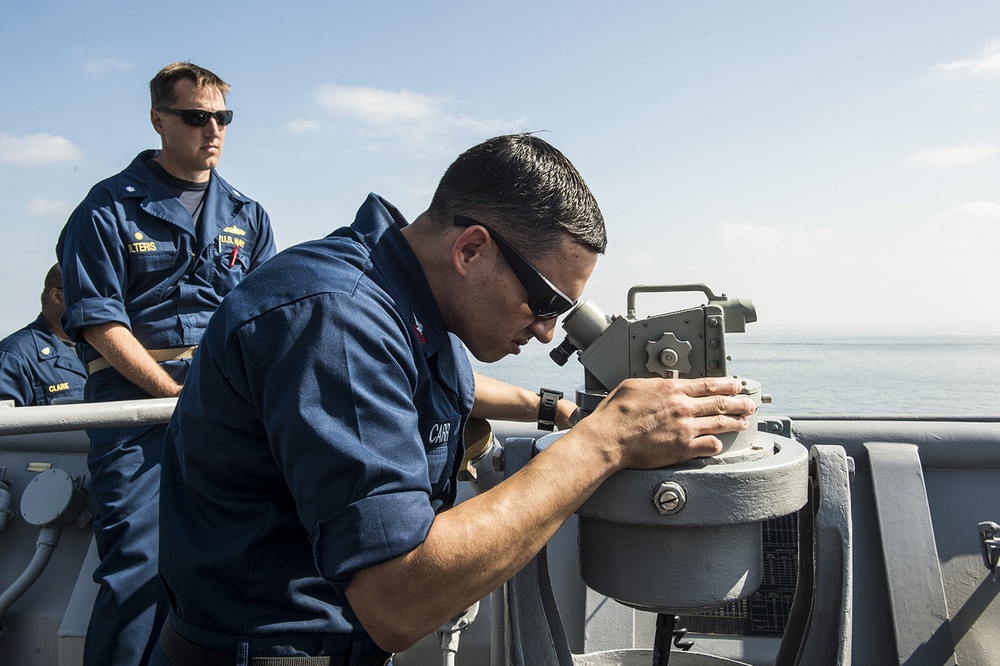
(702, 567)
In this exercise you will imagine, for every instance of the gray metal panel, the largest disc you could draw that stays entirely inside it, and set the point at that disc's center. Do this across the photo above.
(961, 461)
(819, 630)
(73, 630)
(944, 444)
(534, 633)
(916, 590)
(959, 500)
(33, 621)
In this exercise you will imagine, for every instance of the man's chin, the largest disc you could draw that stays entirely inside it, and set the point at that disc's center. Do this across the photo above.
(492, 355)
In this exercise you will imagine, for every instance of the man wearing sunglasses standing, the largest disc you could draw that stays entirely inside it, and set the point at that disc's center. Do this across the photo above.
(337, 376)
(147, 257)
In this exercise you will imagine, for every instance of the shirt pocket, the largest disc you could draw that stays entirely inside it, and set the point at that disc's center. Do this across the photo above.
(152, 261)
(47, 394)
(229, 267)
(440, 438)
(233, 258)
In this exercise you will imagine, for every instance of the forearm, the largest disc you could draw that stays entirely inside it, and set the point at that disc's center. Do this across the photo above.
(498, 400)
(476, 546)
(121, 349)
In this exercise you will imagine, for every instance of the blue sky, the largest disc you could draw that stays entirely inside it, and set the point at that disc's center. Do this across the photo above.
(834, 162)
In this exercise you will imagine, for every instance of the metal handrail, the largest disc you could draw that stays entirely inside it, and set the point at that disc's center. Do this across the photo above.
(62, 418)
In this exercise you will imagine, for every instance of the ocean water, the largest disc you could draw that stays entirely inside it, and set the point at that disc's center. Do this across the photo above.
(830, 375)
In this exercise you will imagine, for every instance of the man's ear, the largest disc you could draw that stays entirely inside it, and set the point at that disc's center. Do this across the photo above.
(467, 250)
(56, 295)
(156, 120)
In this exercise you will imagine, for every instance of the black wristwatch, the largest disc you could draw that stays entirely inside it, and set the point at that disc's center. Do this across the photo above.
(547, 408)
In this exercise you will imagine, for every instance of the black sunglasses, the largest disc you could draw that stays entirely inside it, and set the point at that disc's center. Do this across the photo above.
(198, 117)
(544, 299)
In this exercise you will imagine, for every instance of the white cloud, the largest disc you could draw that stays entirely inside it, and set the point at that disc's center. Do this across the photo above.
(987, 63)
(37, 149)
(974, 210)
(302, 126)
(49, 208)
(97, 66)
(956, 156)
(418, 119)
(379, 107)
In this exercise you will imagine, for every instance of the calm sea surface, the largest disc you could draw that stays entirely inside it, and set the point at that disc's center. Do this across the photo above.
(890, 375)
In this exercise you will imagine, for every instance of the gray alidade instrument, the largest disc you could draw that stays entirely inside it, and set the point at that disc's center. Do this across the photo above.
(686, 537)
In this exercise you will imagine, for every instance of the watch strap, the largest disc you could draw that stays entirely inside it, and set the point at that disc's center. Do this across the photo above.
(547, 408)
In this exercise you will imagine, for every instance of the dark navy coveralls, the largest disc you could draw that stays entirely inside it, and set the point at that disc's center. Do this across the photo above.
(318, 434)
(37, 368)
(132, 254)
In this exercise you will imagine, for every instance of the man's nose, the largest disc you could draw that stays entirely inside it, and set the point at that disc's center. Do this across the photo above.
(543, 329)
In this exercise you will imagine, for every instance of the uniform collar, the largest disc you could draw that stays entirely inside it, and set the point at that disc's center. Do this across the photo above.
(48, 346)
(380, 225)
(138, 182)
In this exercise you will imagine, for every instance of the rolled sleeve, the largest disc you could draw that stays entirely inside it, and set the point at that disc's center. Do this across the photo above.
(368, 531)
(91, 312)
(91, 253)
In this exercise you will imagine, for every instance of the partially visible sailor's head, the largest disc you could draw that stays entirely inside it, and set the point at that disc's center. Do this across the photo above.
(52, 293)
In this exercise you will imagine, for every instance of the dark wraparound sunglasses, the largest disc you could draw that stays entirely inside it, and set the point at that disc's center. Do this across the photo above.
(544, 299)
(198, 117)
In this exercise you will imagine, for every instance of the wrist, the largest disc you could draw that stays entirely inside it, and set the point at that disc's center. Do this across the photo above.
(573, 414)
(568, 414)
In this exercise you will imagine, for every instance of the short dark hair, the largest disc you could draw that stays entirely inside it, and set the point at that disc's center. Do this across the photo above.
(161, 87)
(524, 187)
(53, 280)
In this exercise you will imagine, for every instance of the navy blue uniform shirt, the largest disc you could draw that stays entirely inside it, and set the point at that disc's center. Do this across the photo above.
(317, 435)
(131, 254)
(37, 368)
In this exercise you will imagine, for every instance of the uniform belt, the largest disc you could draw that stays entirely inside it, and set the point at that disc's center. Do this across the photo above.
(159, 355)
(185, 653)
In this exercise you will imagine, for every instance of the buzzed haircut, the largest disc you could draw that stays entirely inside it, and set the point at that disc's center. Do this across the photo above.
(161, 87)
(527, 189)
